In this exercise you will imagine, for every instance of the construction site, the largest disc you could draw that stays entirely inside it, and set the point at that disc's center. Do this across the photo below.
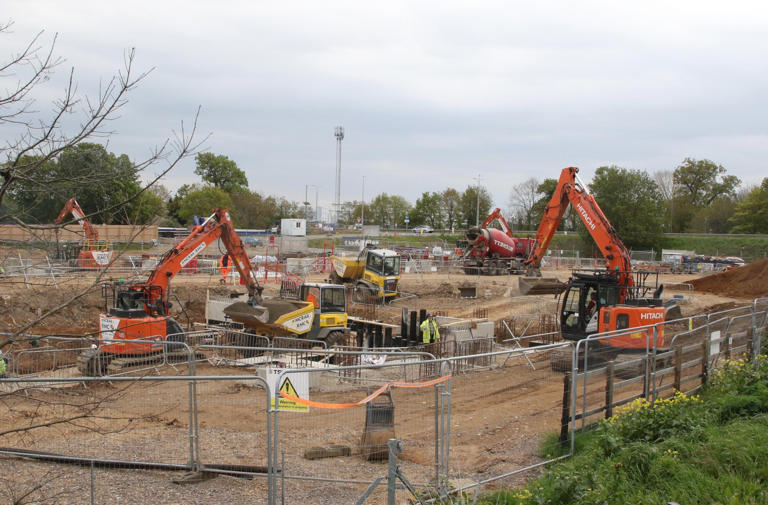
(202, 369)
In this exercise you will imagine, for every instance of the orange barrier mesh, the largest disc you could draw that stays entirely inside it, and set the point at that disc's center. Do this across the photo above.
(382, 389)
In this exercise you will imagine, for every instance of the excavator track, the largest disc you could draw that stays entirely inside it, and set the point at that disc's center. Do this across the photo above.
(95, 363)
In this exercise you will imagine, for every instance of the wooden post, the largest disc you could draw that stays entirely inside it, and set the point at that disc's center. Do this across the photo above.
(609, 376)
(678, 368)
(704, 362)
(566, 414)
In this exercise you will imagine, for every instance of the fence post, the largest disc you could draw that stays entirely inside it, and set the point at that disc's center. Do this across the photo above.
(50, 269)
(678, 367)
(705, 361)
(564, 418)
(394, 447)
(609, 375)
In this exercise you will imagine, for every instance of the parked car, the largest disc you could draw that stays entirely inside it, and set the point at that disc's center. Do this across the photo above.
(423, 229)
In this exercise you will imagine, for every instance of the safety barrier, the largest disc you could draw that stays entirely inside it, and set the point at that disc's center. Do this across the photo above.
(235, 424)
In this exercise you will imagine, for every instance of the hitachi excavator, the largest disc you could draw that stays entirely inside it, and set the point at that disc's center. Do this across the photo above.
(94, 253)
(137, 318)
(605, 300)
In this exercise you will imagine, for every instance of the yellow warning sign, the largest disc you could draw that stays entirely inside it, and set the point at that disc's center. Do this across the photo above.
(296, 385)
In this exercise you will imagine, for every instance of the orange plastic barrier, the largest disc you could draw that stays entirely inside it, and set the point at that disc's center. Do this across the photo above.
(382, 389)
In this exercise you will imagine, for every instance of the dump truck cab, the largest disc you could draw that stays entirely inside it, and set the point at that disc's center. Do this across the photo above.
(382, 272)
(329, 300)
(374, 273)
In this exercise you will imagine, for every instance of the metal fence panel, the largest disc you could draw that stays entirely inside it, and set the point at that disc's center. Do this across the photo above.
(121, 439)
(331, 455)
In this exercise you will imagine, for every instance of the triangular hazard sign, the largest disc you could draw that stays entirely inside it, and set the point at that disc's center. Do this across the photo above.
(288, 388)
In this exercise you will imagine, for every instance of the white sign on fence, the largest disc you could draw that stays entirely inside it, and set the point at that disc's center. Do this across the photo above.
(294, 384)
(714, 343)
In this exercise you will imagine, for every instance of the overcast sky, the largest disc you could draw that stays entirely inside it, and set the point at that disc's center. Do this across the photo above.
(430, 94)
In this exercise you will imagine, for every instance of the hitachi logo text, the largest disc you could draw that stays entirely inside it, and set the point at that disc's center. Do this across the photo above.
(652, 315)
(587, 219)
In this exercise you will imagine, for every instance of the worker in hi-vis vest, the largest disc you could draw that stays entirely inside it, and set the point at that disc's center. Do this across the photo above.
(429, 331)
(225, 265)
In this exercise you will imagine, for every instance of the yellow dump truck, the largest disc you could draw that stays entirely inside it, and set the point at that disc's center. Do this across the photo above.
(319, 312)
(375, 273)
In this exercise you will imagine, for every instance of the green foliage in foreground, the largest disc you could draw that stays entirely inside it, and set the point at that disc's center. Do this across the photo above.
(707, 449)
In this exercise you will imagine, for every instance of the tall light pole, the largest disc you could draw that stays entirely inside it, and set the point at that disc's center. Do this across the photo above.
(313, 186)
(362, 210)
(339, 134)
(306, 202)
(477, 189)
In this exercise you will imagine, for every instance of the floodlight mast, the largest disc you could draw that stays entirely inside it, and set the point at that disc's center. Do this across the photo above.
(339, 134)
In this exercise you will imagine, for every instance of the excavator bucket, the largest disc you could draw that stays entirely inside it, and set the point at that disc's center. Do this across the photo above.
(540, 285)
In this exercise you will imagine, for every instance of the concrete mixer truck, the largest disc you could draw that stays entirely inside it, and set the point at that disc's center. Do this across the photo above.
(495, 252)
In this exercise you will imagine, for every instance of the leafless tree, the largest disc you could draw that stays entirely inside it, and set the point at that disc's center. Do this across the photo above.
(522, 200)
(665, 181)
(34, 138)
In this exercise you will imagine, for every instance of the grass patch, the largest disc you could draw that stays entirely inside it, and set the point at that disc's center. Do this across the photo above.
(706, 449)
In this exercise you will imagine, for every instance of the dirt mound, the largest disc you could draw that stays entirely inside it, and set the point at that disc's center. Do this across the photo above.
(749, 281)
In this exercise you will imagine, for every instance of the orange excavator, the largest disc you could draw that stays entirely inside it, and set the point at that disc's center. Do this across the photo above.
(604, 300)
(141, 311)
(94, 253)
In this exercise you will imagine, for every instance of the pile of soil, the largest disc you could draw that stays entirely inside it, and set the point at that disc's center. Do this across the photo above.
(749, 281)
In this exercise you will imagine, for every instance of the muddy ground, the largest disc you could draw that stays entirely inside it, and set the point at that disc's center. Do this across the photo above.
(498, 417)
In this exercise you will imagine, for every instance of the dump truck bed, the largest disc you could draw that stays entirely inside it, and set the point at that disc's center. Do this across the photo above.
(348, 267)
(274, 317)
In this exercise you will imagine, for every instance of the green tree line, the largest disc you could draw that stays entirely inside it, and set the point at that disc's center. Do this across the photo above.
(697, 197)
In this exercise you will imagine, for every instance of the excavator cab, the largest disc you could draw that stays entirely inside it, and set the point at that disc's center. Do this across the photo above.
(584, 296)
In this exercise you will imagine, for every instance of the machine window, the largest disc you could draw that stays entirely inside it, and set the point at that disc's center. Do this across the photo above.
(392, 266)
(622, 321)
(375, 263)
(333, 300)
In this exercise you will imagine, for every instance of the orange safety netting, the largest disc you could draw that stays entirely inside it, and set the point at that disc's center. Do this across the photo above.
(382, 389)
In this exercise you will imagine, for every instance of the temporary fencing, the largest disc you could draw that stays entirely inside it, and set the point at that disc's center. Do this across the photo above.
(330, 449)
(320, 434)
(674, 356)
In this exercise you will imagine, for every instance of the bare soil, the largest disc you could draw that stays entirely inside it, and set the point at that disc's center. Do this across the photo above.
(750, 281)
(498, 417)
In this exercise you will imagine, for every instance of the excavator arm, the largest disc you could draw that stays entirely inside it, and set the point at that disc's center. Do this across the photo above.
(571, 191)
(217, 226)
(71, 207)
(496, 215)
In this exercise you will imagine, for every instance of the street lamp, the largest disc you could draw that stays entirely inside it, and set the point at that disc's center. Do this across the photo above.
(362, 210)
